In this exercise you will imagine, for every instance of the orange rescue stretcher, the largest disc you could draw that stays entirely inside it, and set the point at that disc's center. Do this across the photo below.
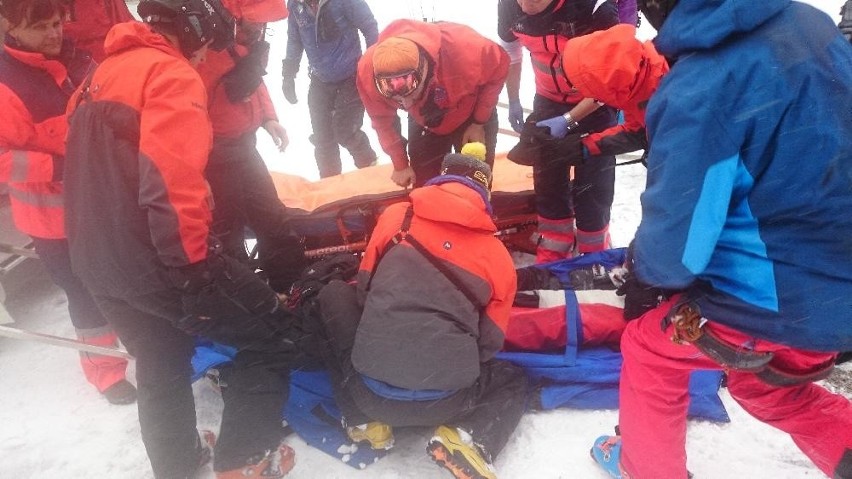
(337, 214)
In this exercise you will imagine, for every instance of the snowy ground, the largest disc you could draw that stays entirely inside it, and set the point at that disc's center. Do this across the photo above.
(53, 424)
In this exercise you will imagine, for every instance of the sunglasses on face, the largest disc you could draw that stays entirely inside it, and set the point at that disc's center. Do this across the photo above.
(398, 86)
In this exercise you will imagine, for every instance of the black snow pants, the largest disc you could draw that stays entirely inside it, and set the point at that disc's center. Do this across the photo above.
(489, 410)
(590, 197)
(254, 387)
(426, 150)
(337, 115)
(244, 195)
(82, 308)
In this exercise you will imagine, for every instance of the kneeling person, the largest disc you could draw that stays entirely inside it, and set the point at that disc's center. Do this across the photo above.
(414, 344)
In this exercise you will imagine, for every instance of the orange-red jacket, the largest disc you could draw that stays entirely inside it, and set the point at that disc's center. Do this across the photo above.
(614, 67)
(468, 72)
(138, 141)
(258, 11)
(545, 34)
(89, 22)
(34, 92)
(413, 314)
(232, 120)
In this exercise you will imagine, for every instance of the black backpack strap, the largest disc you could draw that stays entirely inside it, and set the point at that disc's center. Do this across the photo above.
(85, 95)
(404, 235)
(395, 239)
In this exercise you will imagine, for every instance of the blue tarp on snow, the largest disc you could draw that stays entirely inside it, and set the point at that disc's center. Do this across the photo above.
(578, 378)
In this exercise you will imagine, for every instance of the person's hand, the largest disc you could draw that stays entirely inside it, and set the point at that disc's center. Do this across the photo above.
(404, 177)
(558, 125)
(516, 115)
(288, 87)
(278, 134)
(474, 133)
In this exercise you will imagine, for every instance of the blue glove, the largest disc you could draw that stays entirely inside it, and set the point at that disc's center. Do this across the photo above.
(516, 115)
(558, 125)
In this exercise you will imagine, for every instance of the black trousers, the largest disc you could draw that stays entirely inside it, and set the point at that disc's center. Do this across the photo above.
(337, 115)
(254, 387)
(426, 150)
(589, 197)
(244, 195)
(489, 410)
(82, 308)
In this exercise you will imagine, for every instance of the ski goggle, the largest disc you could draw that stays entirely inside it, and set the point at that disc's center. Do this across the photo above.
(398, 86)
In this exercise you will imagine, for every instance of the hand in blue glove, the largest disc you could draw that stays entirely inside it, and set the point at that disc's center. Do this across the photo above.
(516, 115)
(559, 126)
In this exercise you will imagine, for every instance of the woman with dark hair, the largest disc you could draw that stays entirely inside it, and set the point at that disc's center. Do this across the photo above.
(38, 72)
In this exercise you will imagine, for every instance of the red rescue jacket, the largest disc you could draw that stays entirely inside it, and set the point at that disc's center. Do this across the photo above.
(413, 314)
(34, 92)
(545, 34)
(229, 119)
(468, 72)
(89, 21)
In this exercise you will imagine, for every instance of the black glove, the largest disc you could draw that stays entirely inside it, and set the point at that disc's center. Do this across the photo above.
(639, 298)
(242, 80)
(537, 145)
(222, 287)
(288, 86)
(528, 149)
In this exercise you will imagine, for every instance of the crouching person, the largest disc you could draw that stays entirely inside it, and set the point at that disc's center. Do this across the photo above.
(414, 345)
(138, 230)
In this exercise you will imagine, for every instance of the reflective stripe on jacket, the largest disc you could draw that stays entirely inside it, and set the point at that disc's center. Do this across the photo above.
(545, 34)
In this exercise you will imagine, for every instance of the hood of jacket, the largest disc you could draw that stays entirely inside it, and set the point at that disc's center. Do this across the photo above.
(701, 24)
(454, 203)
(130, 35)
(611, 65)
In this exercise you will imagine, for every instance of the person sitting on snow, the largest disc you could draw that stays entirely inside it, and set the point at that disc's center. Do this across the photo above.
(742, 255)
(414, 343)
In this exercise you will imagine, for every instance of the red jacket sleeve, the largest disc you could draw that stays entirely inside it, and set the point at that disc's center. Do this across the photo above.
(266, 106)
(495, 69)
(382, 114)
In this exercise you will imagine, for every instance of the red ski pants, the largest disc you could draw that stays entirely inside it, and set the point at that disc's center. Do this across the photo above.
(654, 399)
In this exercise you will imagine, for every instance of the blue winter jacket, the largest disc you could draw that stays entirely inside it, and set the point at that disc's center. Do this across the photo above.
(330, 38)
(748, 203)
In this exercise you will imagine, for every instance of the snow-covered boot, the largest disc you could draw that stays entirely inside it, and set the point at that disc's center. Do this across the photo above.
(554, 240)
(454, 450)
(378, 434)
(591, 241)
(607, 453)
(272, 464)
